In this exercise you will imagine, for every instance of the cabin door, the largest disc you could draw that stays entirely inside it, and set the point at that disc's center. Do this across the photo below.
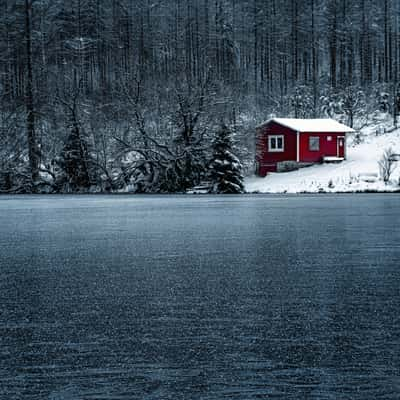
(340, 146)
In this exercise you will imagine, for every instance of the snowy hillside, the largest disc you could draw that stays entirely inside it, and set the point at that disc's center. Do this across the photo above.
(360, 172)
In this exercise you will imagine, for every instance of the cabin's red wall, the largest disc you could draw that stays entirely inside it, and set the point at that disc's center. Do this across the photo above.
(266, 161)
(326, 148)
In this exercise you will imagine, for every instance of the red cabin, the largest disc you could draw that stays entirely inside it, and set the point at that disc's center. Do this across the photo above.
(284, 144)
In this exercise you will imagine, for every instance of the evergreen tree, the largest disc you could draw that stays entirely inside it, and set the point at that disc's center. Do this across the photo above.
(225, 168)
(75, 161)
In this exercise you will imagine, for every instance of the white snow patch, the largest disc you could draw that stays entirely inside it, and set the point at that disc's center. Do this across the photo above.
(312, 125)
(359, 172)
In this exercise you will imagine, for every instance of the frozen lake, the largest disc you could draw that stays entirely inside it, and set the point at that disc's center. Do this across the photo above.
(247, 297)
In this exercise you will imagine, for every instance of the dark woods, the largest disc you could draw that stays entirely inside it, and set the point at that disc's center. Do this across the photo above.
(114, 95)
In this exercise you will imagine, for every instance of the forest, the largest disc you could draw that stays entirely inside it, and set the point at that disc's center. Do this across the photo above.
(135, 95)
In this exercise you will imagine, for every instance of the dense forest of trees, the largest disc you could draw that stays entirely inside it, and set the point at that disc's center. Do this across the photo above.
(114, 94)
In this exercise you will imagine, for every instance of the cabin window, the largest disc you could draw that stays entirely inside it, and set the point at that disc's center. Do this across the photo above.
(276, 143)
(314, 143)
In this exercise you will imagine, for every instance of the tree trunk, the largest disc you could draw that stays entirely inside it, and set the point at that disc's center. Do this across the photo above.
(314, 61)
(33, 150)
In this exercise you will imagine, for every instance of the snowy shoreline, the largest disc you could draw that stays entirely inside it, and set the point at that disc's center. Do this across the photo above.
(245, 194)
(359, 173)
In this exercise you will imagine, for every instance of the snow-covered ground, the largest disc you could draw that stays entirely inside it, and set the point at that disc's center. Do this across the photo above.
(360, 172)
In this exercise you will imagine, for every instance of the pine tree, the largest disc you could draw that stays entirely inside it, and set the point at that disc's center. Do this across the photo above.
(75, 161)
(225, 168)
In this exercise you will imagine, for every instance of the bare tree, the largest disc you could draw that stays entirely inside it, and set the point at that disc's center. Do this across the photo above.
(387, 165)
(33, 148)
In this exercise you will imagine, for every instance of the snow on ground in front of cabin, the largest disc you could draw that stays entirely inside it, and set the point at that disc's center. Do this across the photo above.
(359, 172)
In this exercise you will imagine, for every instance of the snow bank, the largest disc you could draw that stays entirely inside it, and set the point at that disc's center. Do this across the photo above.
(360, 172)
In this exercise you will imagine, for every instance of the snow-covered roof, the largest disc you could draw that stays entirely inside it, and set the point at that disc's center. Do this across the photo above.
(311, 125)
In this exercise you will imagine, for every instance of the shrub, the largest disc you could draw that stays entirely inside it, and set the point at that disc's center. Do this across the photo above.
(386, 165)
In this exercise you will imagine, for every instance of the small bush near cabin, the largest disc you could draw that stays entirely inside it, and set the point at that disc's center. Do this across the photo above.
(386, 165)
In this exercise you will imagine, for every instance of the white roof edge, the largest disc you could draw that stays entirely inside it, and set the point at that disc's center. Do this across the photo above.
(327, 125)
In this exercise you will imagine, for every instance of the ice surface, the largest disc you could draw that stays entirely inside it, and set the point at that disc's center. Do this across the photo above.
(199, 297)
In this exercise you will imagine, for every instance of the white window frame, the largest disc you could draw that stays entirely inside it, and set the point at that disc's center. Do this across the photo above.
(309, 143)
(276, 150)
